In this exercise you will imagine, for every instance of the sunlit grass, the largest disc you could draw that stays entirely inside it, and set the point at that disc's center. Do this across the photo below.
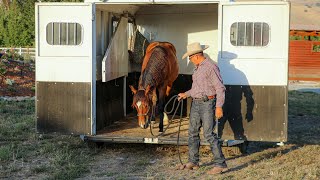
(60, 157)
(48, 156)
(304, 103)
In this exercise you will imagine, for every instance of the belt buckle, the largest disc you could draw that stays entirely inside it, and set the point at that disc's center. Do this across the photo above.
(210, 97)
(204, 98)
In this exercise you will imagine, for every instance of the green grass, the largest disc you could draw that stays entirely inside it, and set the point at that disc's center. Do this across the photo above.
(24, 154)
(56, 156)
(304, 103)
(5, 153)
(17, 120)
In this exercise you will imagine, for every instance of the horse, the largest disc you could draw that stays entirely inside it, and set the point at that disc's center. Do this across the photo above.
(158, 72)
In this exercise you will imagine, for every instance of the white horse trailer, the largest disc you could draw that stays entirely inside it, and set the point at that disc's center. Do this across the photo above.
(83, 69)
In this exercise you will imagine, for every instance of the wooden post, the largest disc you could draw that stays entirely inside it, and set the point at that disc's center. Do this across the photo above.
(20, 51)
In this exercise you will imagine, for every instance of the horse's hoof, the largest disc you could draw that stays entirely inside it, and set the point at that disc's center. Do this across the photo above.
(160, 130)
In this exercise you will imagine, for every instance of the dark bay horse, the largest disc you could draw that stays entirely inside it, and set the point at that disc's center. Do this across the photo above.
(159, 71)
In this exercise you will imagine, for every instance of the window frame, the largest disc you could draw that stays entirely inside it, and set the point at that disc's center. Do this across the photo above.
(235, 40)
(60, 29)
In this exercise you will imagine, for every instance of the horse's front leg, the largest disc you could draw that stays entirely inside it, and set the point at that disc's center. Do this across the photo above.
(154, 104)
(162, 93)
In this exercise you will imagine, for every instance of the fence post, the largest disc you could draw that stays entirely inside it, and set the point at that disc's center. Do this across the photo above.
(20, 51)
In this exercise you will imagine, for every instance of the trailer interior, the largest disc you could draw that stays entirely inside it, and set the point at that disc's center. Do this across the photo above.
(175, 23)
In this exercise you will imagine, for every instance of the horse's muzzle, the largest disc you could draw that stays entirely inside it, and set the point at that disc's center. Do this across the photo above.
(143, 121)
(144, 126)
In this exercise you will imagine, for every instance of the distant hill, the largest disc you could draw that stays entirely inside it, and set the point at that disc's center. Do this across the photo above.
(305, 15)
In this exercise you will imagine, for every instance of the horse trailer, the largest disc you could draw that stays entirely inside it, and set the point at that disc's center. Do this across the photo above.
(87, 55)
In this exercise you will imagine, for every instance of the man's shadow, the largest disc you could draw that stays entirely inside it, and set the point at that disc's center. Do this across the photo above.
(235, 108)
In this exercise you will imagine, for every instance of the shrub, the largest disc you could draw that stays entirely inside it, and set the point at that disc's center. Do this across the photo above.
(3, 70)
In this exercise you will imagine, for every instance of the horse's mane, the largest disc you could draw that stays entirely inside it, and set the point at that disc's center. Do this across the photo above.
(149, 51)
(159, 71)
(155, 67)
(155, 70)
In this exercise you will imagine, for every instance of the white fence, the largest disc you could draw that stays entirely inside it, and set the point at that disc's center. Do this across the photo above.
(27, 53)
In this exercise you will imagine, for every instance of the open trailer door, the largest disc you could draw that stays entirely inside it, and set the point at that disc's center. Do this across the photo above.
(65, 67)
(115, 62)
(253, 60)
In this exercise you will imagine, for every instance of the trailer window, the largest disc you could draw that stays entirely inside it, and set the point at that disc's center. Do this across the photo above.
(249, 34)
(64, 33)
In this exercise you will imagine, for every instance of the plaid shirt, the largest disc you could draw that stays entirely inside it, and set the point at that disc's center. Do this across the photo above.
(207, 81)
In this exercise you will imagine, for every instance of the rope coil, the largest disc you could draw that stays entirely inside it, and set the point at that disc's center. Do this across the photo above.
(175, 97)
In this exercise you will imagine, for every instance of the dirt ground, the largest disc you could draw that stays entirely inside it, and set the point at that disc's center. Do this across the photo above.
(263, 160)
(23, 78)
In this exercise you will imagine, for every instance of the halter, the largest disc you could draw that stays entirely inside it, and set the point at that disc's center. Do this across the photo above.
(145, 114)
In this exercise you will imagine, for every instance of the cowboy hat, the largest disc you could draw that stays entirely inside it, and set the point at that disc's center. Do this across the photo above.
(194, 48)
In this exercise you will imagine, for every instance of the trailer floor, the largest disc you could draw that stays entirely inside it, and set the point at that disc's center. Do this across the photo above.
(127, 130)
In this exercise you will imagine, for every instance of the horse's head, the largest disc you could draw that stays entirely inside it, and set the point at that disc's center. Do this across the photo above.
(142, 103)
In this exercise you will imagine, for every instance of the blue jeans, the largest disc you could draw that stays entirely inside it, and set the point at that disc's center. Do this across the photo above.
(202, 115)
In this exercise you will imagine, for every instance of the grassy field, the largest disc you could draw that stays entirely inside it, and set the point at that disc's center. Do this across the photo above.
(25, 154)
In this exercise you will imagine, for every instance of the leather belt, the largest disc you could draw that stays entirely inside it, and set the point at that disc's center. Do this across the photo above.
(209, 97)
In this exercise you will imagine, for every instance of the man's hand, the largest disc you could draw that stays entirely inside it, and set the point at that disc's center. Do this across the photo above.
(182, 96)
(219, 112)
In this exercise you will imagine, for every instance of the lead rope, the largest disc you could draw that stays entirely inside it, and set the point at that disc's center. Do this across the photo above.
(175, 97)
(178, 138)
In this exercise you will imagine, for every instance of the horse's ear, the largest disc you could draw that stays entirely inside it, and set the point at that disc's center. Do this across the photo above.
(147, 90)
(133, 89)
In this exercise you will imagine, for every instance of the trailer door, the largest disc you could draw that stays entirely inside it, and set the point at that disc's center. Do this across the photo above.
(115, 62)
(253, 60)
(65, 67)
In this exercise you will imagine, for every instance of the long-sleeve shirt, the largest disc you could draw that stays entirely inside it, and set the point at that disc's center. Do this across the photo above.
(207, 81)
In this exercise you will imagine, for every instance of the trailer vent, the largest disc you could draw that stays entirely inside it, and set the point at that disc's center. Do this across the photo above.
(64, 33)
(249, 34)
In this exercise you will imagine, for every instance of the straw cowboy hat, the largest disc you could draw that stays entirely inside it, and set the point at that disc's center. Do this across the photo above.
(194, 48)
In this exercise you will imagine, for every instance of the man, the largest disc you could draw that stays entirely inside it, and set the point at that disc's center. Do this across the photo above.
(206, 86)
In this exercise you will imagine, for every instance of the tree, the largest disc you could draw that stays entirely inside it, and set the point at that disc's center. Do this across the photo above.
(17, 22)
(6, 4)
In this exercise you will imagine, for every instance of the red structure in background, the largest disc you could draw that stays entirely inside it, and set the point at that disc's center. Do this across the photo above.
(304, 57)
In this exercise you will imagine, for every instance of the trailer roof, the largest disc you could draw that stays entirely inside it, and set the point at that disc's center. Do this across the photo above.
(304, 13)
(154, 1)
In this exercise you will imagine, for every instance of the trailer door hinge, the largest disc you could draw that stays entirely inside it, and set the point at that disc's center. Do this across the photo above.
(93, 17)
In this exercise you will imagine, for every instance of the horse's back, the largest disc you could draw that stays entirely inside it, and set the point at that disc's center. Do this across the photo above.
(166, 45)
(170, 51)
